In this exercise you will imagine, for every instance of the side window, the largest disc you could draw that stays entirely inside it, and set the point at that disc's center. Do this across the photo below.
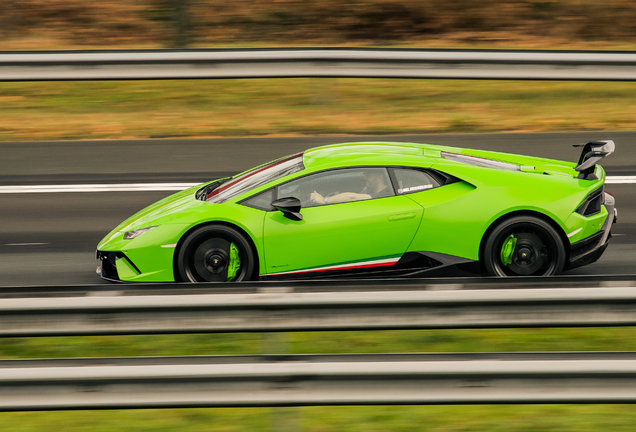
(261, 201)
(412, 180)
(338, 186)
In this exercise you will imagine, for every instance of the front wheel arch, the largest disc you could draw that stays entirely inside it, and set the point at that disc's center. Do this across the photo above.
(559, 230)
(175, 264)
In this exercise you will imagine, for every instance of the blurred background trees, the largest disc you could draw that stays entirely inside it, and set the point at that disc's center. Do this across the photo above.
(32, 24)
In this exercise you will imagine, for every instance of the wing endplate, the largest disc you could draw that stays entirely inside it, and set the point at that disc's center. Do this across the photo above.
(593, 152)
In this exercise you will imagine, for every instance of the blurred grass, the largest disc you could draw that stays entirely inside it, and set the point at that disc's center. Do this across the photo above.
(291, 107)
(477, 418)
(478, 340)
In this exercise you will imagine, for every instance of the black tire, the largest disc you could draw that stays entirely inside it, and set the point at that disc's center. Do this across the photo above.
(539, 250)
(203, 255)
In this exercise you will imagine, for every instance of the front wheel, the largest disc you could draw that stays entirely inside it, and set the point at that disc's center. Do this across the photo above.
(524, 246)
(215, 253)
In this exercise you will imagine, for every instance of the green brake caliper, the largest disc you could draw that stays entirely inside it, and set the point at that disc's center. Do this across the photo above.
(235, 263)
(508, 249)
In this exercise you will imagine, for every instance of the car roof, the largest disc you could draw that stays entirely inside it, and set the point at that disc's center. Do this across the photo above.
(422, 155)
(369, 153)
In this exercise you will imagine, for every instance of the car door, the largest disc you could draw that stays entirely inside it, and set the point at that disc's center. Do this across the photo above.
(372, 228)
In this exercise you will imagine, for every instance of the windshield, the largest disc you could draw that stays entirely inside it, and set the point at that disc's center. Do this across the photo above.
(256, 177)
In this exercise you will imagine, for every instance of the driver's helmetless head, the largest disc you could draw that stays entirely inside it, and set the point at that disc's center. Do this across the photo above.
(374, 179)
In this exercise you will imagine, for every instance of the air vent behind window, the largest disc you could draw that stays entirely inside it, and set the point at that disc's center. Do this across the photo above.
(592, 203)
(482, 162)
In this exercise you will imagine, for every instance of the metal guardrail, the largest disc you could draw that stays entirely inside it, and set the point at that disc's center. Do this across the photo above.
(318, 62)
(314, 286)
(318, 380)
(111, 313)
(304, 380)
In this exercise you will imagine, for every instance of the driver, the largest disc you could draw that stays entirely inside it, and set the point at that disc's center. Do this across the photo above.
(376, 187)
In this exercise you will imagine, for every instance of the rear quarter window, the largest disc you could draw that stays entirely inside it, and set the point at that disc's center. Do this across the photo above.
(412, 180)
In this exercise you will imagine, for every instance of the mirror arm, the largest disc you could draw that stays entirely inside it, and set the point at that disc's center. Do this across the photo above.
(290, 207)
(295, 216)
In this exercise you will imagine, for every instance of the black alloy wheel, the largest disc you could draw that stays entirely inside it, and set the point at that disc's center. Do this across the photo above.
(524, 246)
(205, 255)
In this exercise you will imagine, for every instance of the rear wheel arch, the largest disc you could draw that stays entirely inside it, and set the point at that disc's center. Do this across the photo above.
(530, 213)
(248, 238)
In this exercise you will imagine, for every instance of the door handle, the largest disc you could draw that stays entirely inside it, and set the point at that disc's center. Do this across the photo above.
(402, 216)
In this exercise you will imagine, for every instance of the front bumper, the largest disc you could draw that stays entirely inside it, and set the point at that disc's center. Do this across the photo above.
(147, 258)
(137, 265)
(112, 264)
(590, 249)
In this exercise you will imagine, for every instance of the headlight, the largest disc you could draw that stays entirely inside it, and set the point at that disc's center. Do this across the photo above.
(136, 233)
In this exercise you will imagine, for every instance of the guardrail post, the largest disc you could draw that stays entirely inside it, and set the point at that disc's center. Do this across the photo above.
(182, 23)
(282, 419)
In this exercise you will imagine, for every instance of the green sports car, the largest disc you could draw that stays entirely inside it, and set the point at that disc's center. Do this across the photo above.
(373, 210)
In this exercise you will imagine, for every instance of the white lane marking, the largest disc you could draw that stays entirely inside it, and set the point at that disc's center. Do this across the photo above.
(104, 293)
(133, 187)
(574, 232)
(25, 244)
(620, 179)
(168, 187)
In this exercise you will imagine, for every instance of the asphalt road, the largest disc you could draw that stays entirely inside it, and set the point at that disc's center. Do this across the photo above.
(50, 238)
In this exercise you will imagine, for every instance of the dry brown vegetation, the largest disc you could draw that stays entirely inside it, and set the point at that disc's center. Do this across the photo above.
(304, 106)
(192, 108)
(166, 23)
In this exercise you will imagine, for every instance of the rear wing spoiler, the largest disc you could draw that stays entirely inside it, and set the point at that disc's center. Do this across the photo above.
(592, 152)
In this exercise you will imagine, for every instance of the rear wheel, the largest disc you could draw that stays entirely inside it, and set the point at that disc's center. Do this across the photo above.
(524, 246)
(215, 253)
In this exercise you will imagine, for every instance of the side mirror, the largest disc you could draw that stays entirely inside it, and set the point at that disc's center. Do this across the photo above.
(290, 207)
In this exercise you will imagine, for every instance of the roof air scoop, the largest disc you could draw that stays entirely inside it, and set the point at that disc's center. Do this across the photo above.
(592, 152)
